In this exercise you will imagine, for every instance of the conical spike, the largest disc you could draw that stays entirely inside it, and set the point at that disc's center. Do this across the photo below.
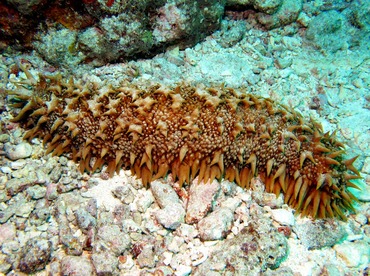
(280, 171)
(103, 152)
(351, 185)
(253, 161)
(119, 154)
(349, 164)
(320, 181)
(335, 153)
(348, 176)
(269, 165)
(183, 151)
(331, 161)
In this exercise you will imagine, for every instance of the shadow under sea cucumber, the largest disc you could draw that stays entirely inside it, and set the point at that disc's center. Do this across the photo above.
(212, 133)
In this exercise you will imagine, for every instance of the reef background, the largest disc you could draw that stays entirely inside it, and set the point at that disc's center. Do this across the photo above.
(310, 55)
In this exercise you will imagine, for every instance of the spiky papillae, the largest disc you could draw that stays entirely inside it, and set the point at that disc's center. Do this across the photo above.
(206, 132)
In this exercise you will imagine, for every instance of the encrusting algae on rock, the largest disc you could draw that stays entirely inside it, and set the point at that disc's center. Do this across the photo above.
(187, 131)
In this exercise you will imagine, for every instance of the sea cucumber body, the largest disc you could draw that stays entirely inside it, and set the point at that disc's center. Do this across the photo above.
(187, 131)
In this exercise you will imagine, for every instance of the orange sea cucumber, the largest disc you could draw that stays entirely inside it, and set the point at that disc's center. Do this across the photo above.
(187, 131)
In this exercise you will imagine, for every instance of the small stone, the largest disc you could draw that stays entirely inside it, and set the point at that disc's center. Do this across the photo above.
(4, 138)
(52, 191)
(183, 270)
(7, 232)
(175, 244)
(74, 245)
(163, 193)
(124, 194)
(216, 225)
(282, 216)
(129, 225)
(24, 209)
(105, 263)
(111, 234)
(354, 254)
(76, 265)
(146, 258)
(5, 264)
(188, 232)
(84, 219)
(319, 234)
(167, 257)
(143, 200)
(63, 160)
(361, 219)
(231, 203)
(366, 166)
(283, 63)
(27, 172)
(6, 214)
(6, 170)
(56, 173)
(36, 192)
(16, 165)
(171, 216)
(15, 152)
(42, 177)
(200, 201)
(35, 255)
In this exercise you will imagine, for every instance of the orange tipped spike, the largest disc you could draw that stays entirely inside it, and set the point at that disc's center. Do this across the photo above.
(349, 164)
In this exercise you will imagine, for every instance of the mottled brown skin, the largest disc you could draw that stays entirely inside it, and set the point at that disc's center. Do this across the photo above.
(205, 132)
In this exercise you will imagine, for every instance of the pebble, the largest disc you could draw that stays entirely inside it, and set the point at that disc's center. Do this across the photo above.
(112, 236)
(126, 262)
(84, 219)
(124, 194)
(319, 234)
(24, 209)
(282, 216)
(42, 177)
(36, 191)
(361, 219)
(231, 203)
(171, 216)
(7, 233)
(354, 254)
(366, 166)
(104, 263)
(19, 164)
(167, 257)
(175, 244)
(76, 265)
(4, 138)
(52, 191)
(6, 170)
(143, 200)
(129, 225)
(188, 232)
(200, 201)
(216, 225)
(283, 63)
(20, 151)
(163, 193)
(35, 255)
(183, 270)
(146, 258)
(5, 265)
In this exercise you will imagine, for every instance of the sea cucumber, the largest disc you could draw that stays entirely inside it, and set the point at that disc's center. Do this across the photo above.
(213, 133)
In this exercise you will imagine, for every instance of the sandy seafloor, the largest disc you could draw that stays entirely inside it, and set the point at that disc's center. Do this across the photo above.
(333, 88)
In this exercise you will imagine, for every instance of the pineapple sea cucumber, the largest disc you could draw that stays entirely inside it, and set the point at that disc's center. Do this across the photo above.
(212, 133)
